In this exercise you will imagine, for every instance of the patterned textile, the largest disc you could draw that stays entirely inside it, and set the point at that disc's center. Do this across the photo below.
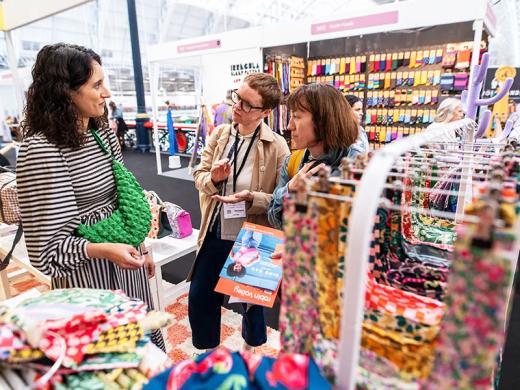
(327, 257)
(422, 229)
(473, 329)
(378, 265)
(79, 316)
(345, 208)
(442, 200)
(222, 369)
(421, 268)
(120, 339)
(413, 359)
(178, 335)
(376, 364)
(299, 317)
(411, 306)
(368, 380)
(155, 209)
(400, 324)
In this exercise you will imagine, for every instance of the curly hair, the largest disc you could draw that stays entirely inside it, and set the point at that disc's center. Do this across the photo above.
(59, 70)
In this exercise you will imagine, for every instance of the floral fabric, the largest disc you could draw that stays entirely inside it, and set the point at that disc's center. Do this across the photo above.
(224, 370)
(473, 329)
(299, 317)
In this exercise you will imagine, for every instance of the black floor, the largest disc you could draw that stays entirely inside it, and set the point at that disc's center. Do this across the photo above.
(184, 194)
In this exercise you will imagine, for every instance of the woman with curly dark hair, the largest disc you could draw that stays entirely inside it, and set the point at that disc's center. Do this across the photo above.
(65, 179)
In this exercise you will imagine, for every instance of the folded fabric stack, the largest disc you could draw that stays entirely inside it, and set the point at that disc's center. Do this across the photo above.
(82, 338)
(222, 369)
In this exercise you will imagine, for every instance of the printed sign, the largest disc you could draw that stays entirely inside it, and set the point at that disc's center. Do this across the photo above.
(391, 17)
(213, 44)
(239, 71)
(249, 273)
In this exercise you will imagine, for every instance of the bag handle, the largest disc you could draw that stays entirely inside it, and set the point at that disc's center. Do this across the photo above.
(17, 237)
(159, 200)
(101, 143)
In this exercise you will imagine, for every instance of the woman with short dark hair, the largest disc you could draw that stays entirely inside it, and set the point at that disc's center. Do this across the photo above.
(323, 129)
(65, 179)
(237, 174)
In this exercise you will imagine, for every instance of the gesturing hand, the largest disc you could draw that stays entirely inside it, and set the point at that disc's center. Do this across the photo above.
(241, 196)
(220, 171)
(304, 173)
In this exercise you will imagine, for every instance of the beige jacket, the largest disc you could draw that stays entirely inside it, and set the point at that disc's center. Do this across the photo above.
(270, 154)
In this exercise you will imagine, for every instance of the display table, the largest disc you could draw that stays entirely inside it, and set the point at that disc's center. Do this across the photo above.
(164, 251)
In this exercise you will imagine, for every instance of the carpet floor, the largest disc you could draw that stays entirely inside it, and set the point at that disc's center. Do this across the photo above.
(178, 335)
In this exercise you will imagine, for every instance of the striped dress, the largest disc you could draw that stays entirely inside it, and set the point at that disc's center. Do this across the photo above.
(59, 188)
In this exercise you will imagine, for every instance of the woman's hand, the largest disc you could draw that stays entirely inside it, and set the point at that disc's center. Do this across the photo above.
(304, 173)
(123, 255)
(242, 196)
(220, 171)
(149, 264)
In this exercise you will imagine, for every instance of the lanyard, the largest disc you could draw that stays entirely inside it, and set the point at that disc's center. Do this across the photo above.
(234, 152)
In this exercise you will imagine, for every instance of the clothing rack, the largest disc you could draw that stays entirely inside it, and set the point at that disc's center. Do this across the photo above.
(365, 204)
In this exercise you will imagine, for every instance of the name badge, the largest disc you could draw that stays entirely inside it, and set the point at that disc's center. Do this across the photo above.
(234, 210)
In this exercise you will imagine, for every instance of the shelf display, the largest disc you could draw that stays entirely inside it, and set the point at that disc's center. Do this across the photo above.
(403, 91)
(400, 88)
(290, 73)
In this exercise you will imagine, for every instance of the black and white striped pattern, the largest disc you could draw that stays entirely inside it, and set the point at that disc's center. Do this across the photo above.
(59, 188)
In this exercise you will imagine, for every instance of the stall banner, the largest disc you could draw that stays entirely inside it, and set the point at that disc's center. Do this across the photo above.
(240, 70)
(357, 22)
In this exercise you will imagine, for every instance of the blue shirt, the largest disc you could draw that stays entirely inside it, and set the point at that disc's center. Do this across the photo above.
(274, 211)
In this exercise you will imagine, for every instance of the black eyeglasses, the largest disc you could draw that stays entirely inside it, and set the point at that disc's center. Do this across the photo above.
(244, 105)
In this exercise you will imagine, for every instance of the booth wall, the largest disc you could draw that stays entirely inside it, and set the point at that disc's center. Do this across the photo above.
(226, 70)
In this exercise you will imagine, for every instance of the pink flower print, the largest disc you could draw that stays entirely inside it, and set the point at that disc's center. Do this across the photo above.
(449, 328)
(480, 283)
(220, 360)
(252, 361)
(466, 348)
(291, 371)
(496, 274)
(180, 374)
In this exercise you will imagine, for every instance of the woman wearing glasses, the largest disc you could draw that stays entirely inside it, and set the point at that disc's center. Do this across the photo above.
(237, 174)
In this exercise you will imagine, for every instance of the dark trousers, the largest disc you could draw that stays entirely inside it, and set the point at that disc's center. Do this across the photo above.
(204, 303)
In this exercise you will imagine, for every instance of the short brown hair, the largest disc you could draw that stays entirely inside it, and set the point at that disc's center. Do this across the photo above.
(268, 88)
(333, 119)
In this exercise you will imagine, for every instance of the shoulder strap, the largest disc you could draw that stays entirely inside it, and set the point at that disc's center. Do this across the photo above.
(100, 142)
(294, 162)
(5, 262)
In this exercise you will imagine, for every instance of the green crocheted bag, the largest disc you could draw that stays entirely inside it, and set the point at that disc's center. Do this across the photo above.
(130, 222)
